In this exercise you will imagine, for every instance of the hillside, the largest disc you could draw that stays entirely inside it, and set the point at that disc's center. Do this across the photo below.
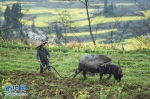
(71, 18)
(123, 35)
(18, 65)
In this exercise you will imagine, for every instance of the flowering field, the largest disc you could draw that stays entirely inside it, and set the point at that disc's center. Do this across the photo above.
(77, 16)
(18, 65)
(51, 15)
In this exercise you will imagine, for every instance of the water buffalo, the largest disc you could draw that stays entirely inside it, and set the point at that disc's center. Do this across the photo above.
(98, 64)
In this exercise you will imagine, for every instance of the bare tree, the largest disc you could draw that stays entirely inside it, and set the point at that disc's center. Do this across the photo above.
(89, 20)
(62, 24)
(141, 29)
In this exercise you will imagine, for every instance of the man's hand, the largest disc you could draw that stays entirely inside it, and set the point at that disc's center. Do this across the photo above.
(39, 61)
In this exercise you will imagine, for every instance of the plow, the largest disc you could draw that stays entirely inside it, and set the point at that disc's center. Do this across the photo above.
(46, 67)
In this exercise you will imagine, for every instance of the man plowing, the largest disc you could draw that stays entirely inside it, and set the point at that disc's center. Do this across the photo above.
(43, 57)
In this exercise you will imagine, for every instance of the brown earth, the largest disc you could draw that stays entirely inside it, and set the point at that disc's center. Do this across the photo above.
(48, 85)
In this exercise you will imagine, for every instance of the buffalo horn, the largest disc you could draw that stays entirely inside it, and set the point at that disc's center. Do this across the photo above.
(119, 71)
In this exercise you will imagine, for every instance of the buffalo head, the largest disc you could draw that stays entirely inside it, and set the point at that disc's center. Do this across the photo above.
(120, 73)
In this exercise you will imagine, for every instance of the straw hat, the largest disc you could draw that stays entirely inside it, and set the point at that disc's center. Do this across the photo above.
(43, 43)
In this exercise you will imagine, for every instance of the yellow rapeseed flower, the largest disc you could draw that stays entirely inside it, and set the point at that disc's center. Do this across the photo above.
(90, 88)
(108, 90)
(3, 87)
(83, 96)
(86, 92)
(30, 44)
(139, 89)
(80, 92)
(101, 93)
(119, 90)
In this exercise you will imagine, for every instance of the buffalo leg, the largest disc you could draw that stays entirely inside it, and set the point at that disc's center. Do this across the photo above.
(109, 76)
(84, 75)
(101, 75)
(77, 72)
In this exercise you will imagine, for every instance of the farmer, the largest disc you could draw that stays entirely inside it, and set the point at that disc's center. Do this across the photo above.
(43, 57)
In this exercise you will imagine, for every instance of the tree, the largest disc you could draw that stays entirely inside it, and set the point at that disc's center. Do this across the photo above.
(14, 18)
(33, 25)
(105, 6)
(61, 25)
(58, 31)
(5, 31)
(89, 20)
(108, 10)
(7, 15)
(141, 29)
(16, 15)
(5, 27)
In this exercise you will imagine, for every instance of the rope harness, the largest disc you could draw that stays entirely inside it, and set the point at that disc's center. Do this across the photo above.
(107, 64)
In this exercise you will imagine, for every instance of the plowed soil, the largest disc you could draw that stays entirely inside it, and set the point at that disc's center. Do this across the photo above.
(48, 85)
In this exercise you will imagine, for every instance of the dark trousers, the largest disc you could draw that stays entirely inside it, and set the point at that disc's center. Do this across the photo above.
(44, 62)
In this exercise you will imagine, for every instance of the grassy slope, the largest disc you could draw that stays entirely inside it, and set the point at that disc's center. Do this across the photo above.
(135, 64)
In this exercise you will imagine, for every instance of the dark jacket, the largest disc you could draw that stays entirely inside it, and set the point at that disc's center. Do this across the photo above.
(42, 54)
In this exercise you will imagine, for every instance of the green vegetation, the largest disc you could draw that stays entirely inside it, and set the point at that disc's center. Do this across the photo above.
(75, 13)
(87, 33)
(19, 66)
(77, 16)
